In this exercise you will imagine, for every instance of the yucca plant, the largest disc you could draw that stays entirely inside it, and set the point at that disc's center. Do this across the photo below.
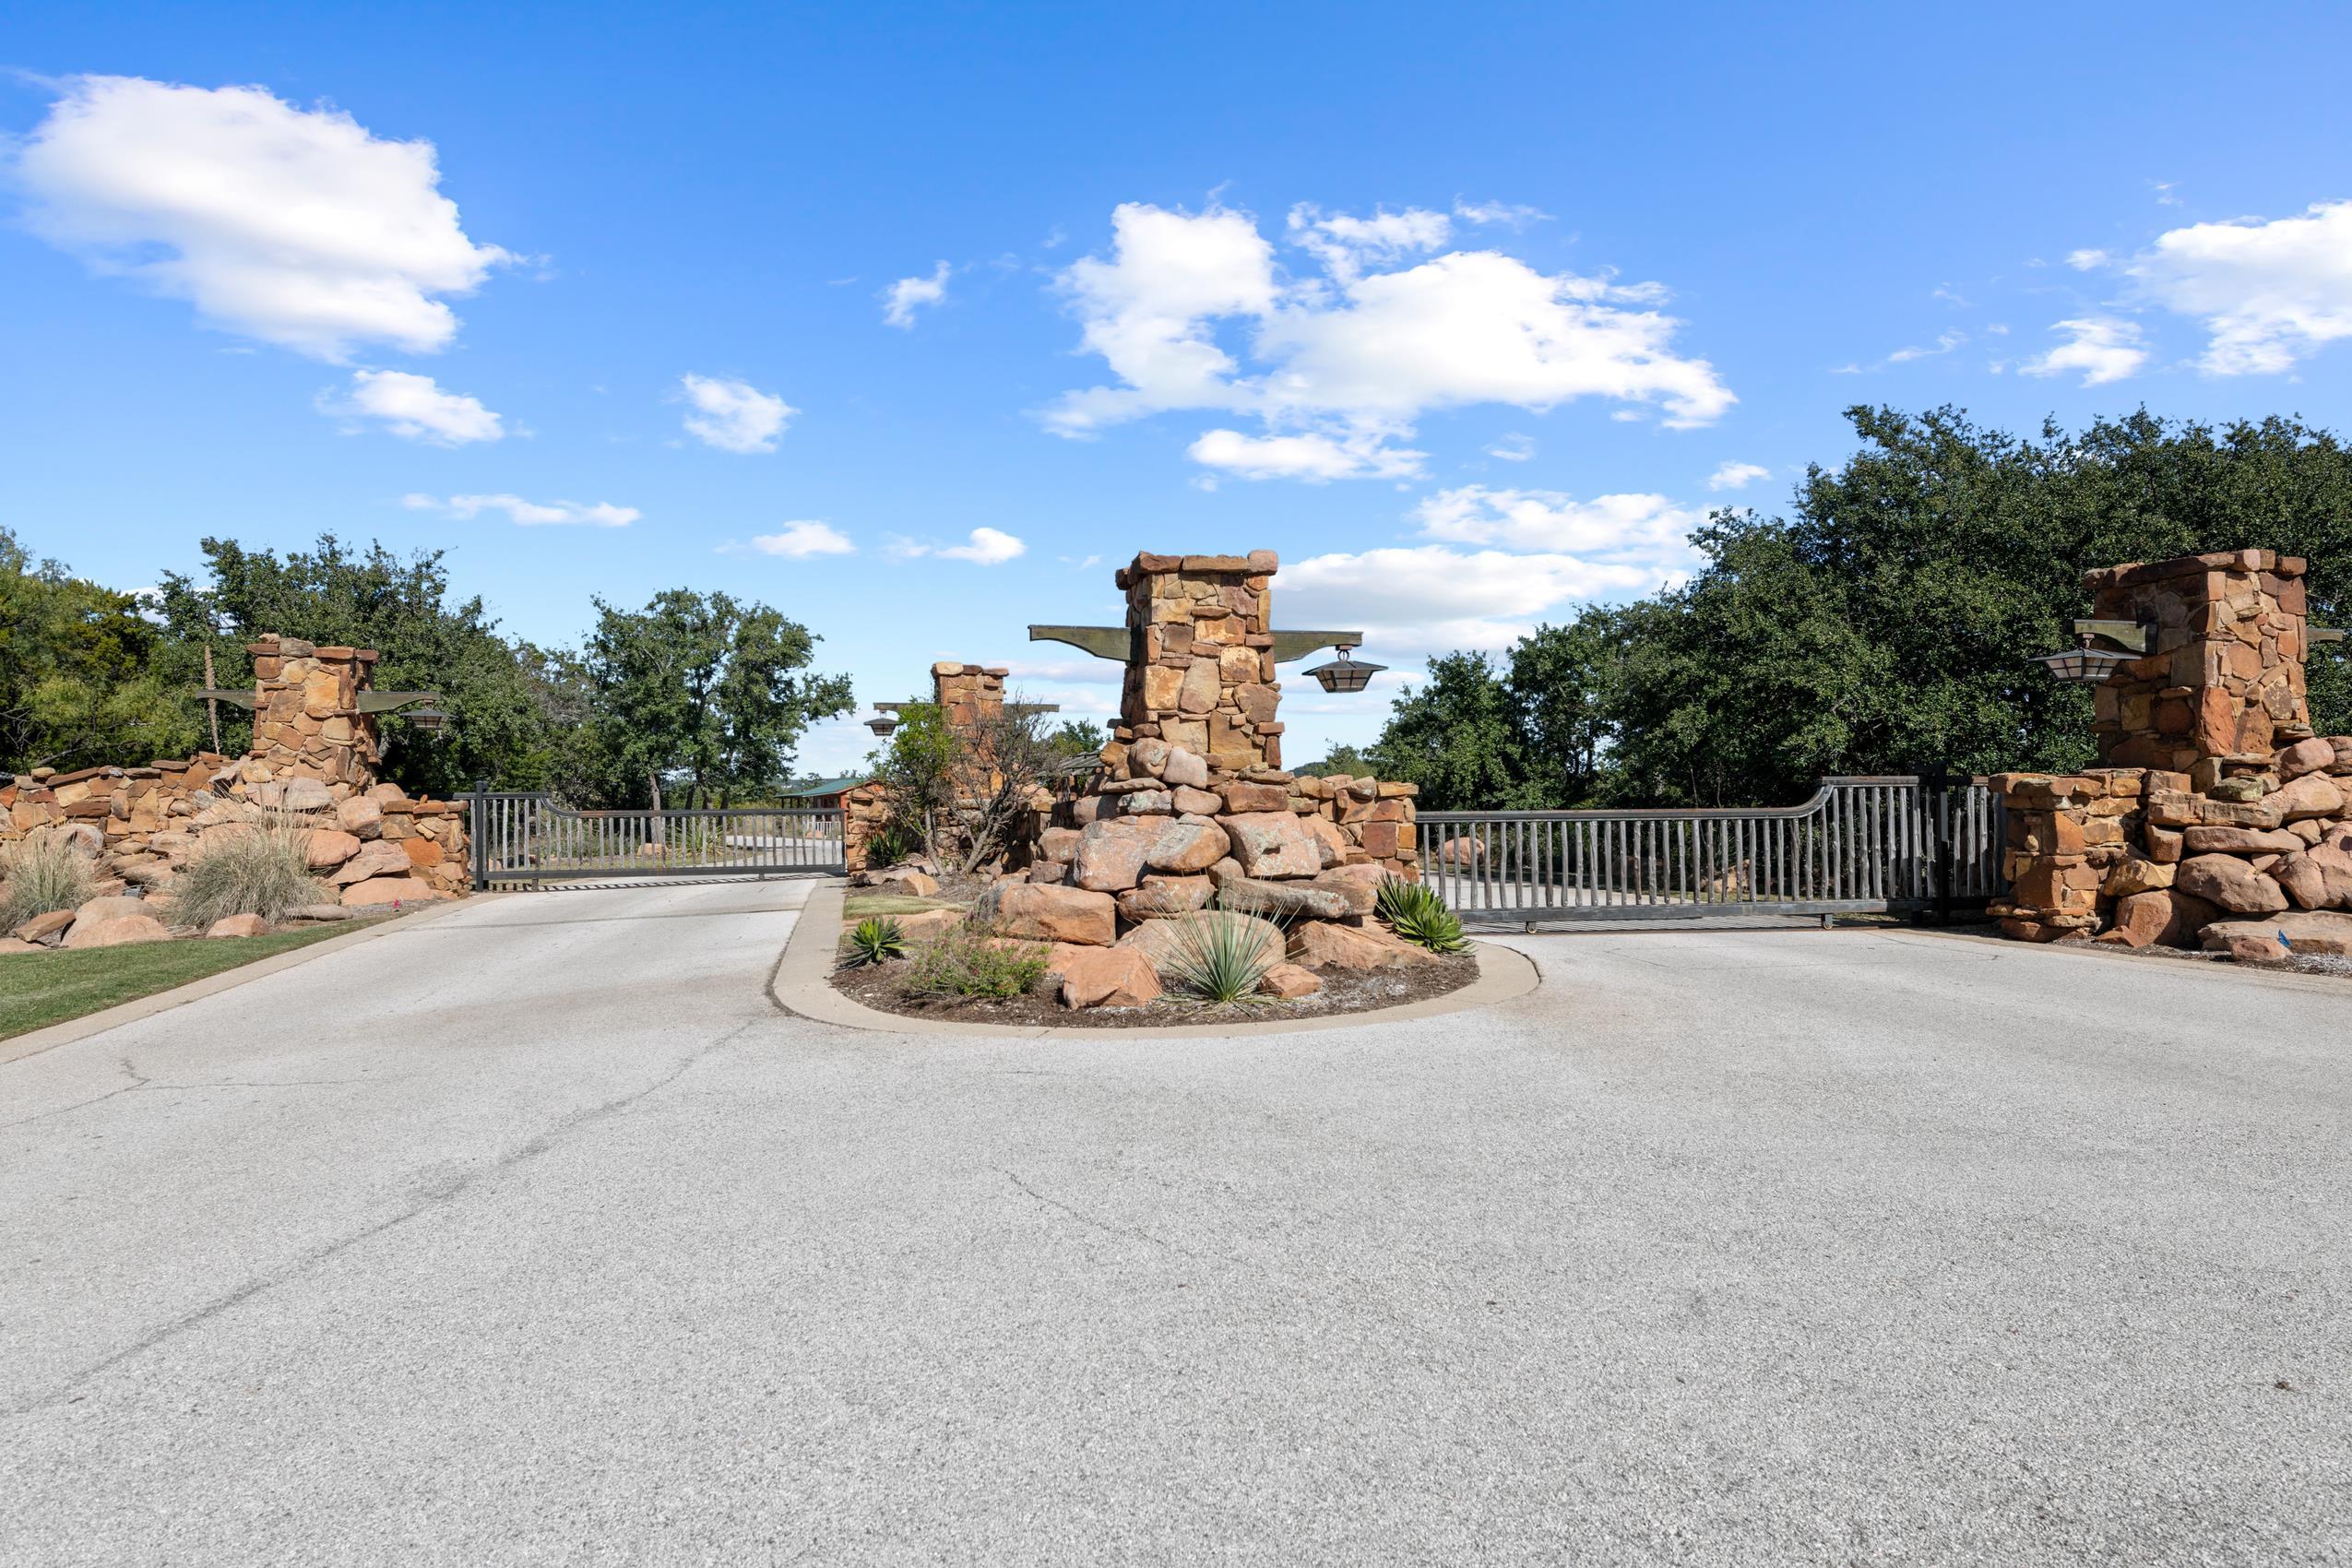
(1415, 912)
(1219, 955)
(262, 869)
(873, 940)
(44, 873)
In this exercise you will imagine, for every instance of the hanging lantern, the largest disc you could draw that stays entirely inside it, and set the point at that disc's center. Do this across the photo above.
(1345, 674)
(2084, 663)
(884, 725)
(425, 717)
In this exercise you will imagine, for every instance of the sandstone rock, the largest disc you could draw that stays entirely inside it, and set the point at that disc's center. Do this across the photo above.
(360, 816)
(328, 848)
(380, 858)
(1282, 900)
(41, 928)
(926, 924)
(2236, 791)
(2231, 883)
(2136, 875)
(2309, 796)
(1027, 911)
(1188, 846)
(237, 925)
(1198, 692)
(2169, 917)
(1190, 801)
(1186, 767)
(1147, 802)
(1147, 756)
(1320, 946)
(390, 890)
(2307, 935)
(306, 795)
(1163, 941)
(1331, 842)
(1110, 853)
(2239, 841)
(117, 931)
(1273, 844)
(14, 945)
(1057, 843)
(111, 908)
(906, 880)
(1359, 885)
(1290, 982)
(2306, 756)
(1109, 977)
(1159, 896)
(152, 875)
(1242, 796)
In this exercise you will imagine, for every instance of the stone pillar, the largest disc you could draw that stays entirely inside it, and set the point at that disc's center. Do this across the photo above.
(967, 694)
(1200, 662)
(2221, 686)
(306, 722)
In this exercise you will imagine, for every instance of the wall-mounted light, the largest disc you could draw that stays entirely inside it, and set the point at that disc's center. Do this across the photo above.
(428, 718)
(1345, 674)
(2094, 664)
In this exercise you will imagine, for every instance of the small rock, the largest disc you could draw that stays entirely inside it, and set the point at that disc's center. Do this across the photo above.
(237, 925)
(1290, 982)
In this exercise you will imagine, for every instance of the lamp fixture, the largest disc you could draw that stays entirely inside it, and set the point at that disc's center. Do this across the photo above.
(2084, 663)
(425, 717)
(2090, 664)
(1345, 674)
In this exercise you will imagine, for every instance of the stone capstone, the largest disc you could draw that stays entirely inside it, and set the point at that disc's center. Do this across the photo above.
(1027, 911)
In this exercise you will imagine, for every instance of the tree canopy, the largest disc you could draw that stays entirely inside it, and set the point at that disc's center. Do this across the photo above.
(1889, 622)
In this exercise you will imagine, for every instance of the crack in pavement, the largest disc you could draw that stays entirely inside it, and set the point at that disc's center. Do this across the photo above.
(1107, 1227)
(439, 1196)
(130, 1072)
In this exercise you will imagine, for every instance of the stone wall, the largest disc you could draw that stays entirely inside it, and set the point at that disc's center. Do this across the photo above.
(1200, 665)
(2240, 827)
(306, 722)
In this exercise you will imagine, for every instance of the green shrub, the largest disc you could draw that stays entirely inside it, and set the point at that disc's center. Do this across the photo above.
(872, 941)
(1415, 912)
(964, 961)
(43, 874)
(896, 839)
(263, 870)
(1219, 956)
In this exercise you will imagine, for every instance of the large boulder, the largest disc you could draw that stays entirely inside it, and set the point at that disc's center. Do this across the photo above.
(1057, 844)
(2319, 878)
(1243, 796)
(1112, 851)
(1333, 843)
(1148, 755)
(1322, 946)
(379, 857)
(2312, 795)
(1359, 885)
(1024, 910)
(2231, 883)
(1165, 941)
(1273, 843)
(305, 795)
(1107, 977)
(2313, 756)
(926, 924)
(2239, 841)
(1282, 900)
(42, 928)
(1191, 802)
(111, 908)
(1188, 846)
(2162, 915)
(327, 848)
(390, 890)
(1157, 897)
(117, 931)
(360, 816)
(2308, 933)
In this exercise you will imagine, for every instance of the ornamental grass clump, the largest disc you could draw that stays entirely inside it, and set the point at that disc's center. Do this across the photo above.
(1416, 913)
(1220, 955)
(43, 875)
(965, 962)
(872, 941)
(261, 869)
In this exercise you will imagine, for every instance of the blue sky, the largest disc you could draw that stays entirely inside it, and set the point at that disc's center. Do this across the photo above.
(1468, 312)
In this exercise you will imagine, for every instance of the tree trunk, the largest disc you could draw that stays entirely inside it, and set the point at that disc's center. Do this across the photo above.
(654, 778)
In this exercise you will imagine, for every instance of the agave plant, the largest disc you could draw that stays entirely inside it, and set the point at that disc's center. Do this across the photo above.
(1219, 955)
(1415, 912)
(872, 941)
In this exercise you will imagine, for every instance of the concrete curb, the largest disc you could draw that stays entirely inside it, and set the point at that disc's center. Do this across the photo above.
(21, 1046)
(798, 986)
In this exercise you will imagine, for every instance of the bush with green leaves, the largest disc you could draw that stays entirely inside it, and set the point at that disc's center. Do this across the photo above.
(1417, 912)
(44, 873)
(896, 839)
(873, 940)
(963, 961)
(262, 868)
(1220, 955)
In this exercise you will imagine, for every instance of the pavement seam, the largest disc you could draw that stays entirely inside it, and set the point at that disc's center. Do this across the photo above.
(439, 1197)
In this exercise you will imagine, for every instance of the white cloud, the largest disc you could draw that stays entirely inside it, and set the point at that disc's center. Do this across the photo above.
(984, 547)
(1510, 213)
(295, 227)
(1735, 475)
(1352, 357)
(733, 416)
(528, 514)
(900, 301)
(2086, 260)
(1648, 532)
(1429, 599)
(2103, 348)
(1315, 458)
(803, 539)
(1513, 448)
(415, 407)
(1944, 343)
(2269, 292)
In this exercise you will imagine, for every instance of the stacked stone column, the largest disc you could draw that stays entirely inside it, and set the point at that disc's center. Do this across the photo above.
(306, 722)
(1200, 664)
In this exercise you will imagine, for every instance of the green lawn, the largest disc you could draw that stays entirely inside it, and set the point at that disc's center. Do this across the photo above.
(861, 905)
(39, 988)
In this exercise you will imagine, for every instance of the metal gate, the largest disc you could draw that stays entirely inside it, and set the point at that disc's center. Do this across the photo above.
(1859, 846)
(523, 840)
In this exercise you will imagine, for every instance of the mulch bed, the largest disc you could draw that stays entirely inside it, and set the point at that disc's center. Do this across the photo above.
(883, 987)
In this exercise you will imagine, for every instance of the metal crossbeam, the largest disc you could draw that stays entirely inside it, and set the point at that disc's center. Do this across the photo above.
(1113, 643)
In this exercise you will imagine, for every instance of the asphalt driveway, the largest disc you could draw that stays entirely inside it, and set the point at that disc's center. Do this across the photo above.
(535, 1233)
